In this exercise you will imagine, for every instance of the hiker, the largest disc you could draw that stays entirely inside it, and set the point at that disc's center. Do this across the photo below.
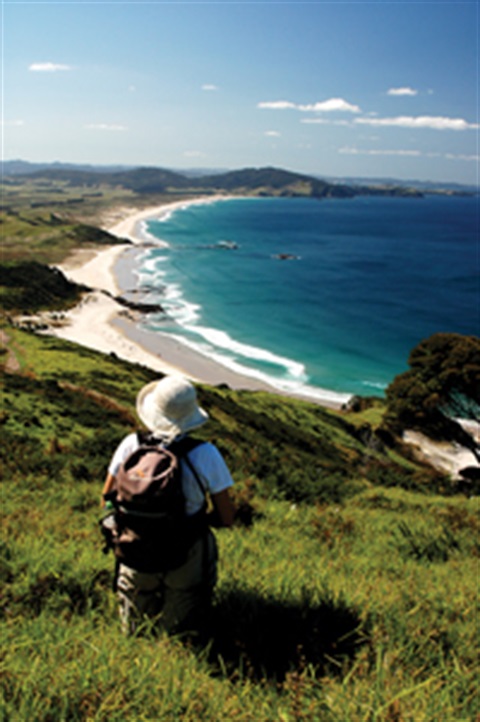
(177, 597)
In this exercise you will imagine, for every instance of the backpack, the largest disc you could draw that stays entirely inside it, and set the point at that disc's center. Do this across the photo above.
(150, 529)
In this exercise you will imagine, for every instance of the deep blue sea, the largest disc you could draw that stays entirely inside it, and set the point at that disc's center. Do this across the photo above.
(365, 280)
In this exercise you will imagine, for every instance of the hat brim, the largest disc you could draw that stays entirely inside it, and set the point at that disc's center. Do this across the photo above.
(162, 425)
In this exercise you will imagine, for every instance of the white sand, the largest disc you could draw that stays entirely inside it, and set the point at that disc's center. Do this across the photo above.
(448, 457)
(90, 323)
(94, 269)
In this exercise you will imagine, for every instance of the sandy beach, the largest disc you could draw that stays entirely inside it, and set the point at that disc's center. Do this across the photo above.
(101, 323)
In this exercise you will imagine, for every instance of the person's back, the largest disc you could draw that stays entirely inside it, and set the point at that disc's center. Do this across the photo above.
(179, 598)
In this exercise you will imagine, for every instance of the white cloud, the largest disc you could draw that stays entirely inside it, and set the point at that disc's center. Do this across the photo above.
(194, 154)
(48, 67)
(105, 126)
(357, 151)
(422, 121)
(324, 121)
(332, 105)
(402, 91)
(347, 150)
(209, 86)
(451, 156)
(325, 106)
(12, 123)
(277, 105)
(272, 133)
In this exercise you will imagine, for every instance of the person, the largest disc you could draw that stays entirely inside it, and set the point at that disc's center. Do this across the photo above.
(179, 599)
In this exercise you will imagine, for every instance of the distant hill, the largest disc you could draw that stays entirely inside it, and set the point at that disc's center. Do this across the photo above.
(426, 186)
(149, 180)
(274, 181)
(23, 167)
(140, 180)
(253, 178)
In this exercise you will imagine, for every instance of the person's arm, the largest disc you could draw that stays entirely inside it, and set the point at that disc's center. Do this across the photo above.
(123, 450)
(223, 509)
(107, 487)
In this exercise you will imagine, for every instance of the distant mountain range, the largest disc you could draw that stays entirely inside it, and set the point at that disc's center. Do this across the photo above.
(24, 167)
(253, 181)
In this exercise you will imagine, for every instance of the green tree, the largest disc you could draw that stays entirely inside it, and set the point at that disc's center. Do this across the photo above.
(443, 383)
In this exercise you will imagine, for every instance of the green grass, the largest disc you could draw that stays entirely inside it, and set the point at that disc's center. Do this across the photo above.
(347, 598)
(349, 592)
(46, 237)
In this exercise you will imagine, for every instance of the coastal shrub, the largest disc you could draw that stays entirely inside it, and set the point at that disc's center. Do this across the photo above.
(30, 286)
(440, 386)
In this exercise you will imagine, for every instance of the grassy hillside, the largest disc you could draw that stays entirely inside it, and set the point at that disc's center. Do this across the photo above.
(347, 590)
(342, 597)
(43, 236)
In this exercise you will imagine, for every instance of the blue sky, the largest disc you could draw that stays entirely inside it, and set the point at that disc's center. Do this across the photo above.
(331, 88)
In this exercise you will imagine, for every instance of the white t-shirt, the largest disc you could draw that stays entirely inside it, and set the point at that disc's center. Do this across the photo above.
(205, 458)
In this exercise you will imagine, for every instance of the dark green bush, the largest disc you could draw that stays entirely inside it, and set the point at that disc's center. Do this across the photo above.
(316, 485)
(31, 286)
(426, 480)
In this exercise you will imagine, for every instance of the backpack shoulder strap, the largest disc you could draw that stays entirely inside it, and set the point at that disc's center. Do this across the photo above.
(182, 448)
(195, 474)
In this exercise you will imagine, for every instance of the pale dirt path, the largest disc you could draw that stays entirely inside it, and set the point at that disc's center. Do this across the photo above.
(11, 364)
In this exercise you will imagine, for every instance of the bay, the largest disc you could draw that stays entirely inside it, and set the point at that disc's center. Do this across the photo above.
(309, 294)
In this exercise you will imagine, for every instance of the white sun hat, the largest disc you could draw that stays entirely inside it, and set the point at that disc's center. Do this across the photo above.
(169, 407)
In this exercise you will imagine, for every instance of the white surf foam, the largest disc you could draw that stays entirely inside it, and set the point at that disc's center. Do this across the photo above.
(287, 375)
(147, 237)
(297, 388)
(375, 385)
(222, 340)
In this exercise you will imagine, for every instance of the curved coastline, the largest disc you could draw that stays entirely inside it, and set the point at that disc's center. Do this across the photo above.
(101, 323)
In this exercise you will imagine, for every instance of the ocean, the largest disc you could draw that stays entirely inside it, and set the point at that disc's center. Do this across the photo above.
(314, 295)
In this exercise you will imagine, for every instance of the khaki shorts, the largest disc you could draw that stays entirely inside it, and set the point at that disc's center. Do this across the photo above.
(177, 601)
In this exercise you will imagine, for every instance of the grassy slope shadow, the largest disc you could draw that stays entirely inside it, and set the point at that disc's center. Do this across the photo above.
(265, 638)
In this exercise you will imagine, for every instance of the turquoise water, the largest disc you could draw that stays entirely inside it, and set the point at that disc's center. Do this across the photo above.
(365, 280)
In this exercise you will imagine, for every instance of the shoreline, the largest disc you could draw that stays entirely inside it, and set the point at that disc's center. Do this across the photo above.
(102, 324)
